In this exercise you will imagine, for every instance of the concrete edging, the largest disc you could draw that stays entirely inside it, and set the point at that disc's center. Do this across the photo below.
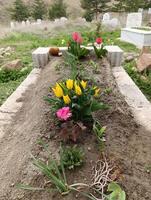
(139, 105)
(12, 105)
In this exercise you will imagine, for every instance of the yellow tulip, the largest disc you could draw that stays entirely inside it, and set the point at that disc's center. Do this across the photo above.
(69, 84)
(66, 99)
(58, 91)
(97, 92)
(78, 90)
(84, 84)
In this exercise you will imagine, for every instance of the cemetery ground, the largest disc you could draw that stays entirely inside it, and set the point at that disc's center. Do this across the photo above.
(125, 143)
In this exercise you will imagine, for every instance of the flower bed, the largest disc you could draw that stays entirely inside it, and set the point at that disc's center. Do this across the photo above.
(91, 146)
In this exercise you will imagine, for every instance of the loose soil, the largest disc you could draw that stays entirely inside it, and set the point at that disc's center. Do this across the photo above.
(127, 143)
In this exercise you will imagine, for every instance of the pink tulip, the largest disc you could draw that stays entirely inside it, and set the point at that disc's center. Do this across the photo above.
(99, 40)
(76, 36)
(64, 113)
(80, 40)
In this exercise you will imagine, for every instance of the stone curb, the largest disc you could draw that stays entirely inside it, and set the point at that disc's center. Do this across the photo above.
(13, 104)
(139, 105)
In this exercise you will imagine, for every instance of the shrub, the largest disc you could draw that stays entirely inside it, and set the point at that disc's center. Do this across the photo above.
(57, 10)
(72, 157)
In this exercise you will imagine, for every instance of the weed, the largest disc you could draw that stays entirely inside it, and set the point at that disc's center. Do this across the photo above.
(99, 131)
(72, 157)
(72, 62)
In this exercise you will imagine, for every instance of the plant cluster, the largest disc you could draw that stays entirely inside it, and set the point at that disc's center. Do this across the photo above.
(72, 157)
(75, 99)
(99, 50)
(74, 46)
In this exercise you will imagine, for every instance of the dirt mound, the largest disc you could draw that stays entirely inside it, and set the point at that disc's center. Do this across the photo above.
(126, 142)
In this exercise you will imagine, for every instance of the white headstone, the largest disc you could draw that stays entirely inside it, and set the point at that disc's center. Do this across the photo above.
(149, 11)
(39, 21)
(63, 19)
(140, 10)
(12, 25)
(27, 22)
(114, 22)
(106, 17)
(23, 23)
(57, 20)
(134, 20)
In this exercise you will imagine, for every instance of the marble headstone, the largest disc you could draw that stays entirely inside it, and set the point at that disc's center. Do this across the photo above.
(106, 17)
(39, 21)
(27, 22)
(12, 24)
(140, 10)
(23, 23)
(134, 20)
(149, 11)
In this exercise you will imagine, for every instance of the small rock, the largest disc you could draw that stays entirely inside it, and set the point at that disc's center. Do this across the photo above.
(8, 49)
(129, 58)
(7, 54)
(15, 64)
(89, 148)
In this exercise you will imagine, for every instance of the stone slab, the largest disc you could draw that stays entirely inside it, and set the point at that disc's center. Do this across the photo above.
(138, 103)
(115, 55)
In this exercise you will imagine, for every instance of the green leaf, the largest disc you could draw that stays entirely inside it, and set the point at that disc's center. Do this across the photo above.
(117, 192)
(113, 186)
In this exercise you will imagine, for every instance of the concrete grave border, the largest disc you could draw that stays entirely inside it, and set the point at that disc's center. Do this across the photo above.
(14, 102)
(139, 105)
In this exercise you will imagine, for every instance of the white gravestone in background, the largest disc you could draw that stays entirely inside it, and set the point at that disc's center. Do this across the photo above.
(107, 21)
(27, 22)
(106, 17)
(12, 25)
(63, 19)
(23, 23)
(134, 20)
(140, 10)
(39, 21)
(149, 11)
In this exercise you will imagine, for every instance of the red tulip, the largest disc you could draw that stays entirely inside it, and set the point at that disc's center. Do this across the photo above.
(99, 40)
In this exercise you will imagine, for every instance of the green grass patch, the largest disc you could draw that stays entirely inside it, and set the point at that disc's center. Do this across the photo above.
(6, 89)
(143, 81)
